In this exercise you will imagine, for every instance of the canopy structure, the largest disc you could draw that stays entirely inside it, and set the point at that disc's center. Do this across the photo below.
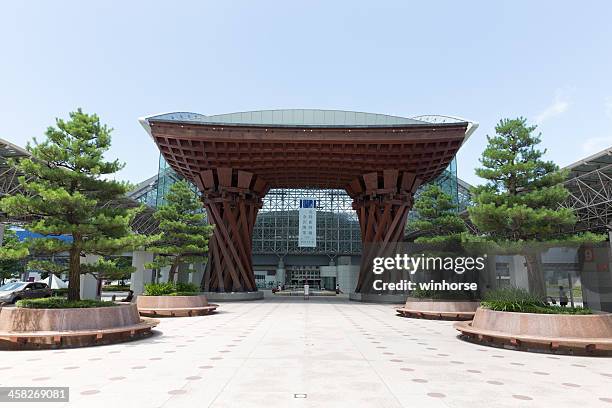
(9, 183)
(56, 283)
(234, 159)
(589, 182)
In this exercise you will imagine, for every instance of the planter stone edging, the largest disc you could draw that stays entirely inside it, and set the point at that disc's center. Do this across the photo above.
(439, 309)
(574, 334)
(174, 306)
(233, 296)
(377, 298)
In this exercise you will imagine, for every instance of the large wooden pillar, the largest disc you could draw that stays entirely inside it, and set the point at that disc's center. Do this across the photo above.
(232, 199)
(382, 201)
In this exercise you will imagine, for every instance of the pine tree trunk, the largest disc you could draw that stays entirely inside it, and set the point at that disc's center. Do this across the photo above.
(535, 276)
(172, 272)
(74, 273)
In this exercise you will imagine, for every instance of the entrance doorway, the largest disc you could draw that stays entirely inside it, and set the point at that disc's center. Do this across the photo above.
(298, 276)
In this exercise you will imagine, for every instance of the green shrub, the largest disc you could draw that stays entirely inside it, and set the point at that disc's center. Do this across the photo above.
(562, 310)
(116, 288)
(159, 289)
(171, 289)
(520, 300)
(512, 296)
(186, 287)
(61, 303)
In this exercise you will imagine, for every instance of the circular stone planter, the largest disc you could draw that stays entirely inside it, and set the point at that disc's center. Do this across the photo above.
(301, 293)
(562, 333)
(377, 298)
(174, 306)
(439, 309)
(233, 296)
(22, 328)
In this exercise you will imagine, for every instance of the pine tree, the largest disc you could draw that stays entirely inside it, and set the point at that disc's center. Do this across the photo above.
(436, 218)
(11, 254)
(105, 267)
(184, 232)
(520, 201)
(67, 193)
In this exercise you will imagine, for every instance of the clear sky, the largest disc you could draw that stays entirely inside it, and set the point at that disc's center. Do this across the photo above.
(550, 61)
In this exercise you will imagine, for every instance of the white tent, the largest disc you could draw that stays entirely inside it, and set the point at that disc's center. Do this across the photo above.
(56, 283)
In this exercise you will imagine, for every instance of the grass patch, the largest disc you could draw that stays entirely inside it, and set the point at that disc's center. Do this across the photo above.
(171, 289)
(521, 301)
(61, 303)
(185, 294)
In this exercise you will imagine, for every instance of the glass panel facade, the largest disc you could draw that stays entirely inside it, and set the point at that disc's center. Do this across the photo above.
(276, 229)
(165, 178)
(148, 197)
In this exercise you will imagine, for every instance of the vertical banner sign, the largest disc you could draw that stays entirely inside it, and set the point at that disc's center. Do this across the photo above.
(308, 223)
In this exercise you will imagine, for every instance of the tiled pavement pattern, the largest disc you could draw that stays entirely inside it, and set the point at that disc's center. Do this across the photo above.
(289, 352)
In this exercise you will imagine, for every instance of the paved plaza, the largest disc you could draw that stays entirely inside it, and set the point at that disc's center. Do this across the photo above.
(290, 352)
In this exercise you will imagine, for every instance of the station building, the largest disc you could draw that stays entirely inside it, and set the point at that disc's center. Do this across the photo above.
(277, 256)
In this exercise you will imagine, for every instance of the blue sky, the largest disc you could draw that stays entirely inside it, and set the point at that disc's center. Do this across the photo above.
(550, 61)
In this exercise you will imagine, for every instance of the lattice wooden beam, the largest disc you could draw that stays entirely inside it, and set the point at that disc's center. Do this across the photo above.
(232, 199)
(382, 201)
(295, 157)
